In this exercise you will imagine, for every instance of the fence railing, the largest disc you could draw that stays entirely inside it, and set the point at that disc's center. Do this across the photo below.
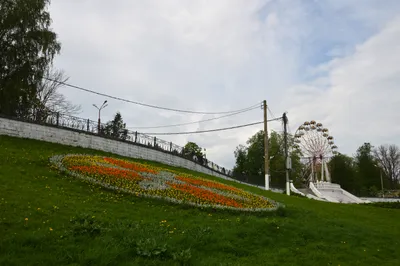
(133, 137)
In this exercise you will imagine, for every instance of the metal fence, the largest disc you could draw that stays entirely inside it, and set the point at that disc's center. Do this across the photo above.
(133, 137)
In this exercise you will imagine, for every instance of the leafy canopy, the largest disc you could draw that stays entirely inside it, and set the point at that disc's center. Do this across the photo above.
(116, 128)
(250, 166)
(28, 47)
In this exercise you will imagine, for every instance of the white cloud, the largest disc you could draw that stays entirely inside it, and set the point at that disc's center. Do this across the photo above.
(227, 55)
(363, 97)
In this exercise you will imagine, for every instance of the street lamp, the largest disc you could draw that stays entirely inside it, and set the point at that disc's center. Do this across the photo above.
(104, 105)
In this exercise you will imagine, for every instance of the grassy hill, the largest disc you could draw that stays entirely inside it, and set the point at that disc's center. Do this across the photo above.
(50, 219)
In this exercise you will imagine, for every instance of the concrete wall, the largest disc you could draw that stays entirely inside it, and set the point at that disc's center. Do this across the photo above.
(382, 199)
(75, 138)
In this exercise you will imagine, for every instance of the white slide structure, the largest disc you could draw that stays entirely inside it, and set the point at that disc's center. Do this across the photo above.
(334, 193)
(308, 195)
(294, 189)
(327, 191)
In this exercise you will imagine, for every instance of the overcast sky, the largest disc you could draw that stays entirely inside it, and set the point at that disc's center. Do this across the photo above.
(334, 61)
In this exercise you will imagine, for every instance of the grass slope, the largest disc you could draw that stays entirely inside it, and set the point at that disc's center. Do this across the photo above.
(75, 223)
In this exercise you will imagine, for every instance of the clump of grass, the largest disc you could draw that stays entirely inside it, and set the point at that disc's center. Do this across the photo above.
(86, 224)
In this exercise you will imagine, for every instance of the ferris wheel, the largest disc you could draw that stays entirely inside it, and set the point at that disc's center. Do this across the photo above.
(316, 147)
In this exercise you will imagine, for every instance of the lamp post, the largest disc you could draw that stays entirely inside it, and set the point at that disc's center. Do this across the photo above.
(104, 105)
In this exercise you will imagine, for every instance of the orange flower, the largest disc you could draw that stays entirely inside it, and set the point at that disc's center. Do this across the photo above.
(107, 171)
(130, 165)
(209, 184)
(206, 195)
(172, 185)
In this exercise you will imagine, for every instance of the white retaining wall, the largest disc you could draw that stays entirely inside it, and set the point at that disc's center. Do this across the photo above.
(381, 199)
(74, 138)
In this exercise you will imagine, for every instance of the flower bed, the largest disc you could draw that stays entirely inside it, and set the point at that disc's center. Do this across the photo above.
(156, 182)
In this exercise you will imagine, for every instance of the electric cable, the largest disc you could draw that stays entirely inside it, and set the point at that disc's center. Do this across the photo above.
(196, 122)
(272, 114)
(142, 104)
(211, 130)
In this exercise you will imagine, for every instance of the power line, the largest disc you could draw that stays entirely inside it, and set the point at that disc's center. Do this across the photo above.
(200, 121)
(212, 130)
(272, 114)
(142, 104)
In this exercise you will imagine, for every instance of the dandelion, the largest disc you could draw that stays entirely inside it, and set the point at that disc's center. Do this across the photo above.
(51, 229)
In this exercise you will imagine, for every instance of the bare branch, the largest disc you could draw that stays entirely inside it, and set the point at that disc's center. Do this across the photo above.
(50, 99)
(388, 158)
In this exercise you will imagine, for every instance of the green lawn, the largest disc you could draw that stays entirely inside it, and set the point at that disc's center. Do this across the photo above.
(74, 223)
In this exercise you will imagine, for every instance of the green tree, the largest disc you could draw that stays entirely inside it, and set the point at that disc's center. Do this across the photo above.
(367, 170)
(250, 166)
(116, 128)
(255, 155)
(240, 167)
(28, 47)
(343, 172)
(191, 149)
(278, 162)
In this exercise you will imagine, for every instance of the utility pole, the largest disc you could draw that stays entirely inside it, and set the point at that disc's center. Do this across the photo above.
(266, 162)
(287, 163)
